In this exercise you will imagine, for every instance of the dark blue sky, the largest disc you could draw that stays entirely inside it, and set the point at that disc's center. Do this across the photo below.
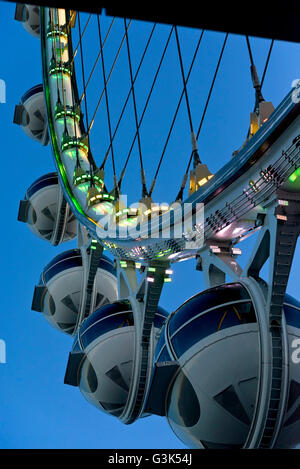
(36, 409)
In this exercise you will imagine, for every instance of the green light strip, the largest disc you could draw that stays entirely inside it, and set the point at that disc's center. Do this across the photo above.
(53, 134)
(295, 175)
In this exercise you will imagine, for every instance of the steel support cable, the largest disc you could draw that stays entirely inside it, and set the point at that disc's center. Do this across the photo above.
(256, 83)
(128, 95)
(108, 78)
(97, 58)
(263, 75)
(143, 181)
(184, 81)
(146, 105)
(85, 99)
(179, 196)
(175, 116)
(83, 32)
(267, 63)
(107, 108)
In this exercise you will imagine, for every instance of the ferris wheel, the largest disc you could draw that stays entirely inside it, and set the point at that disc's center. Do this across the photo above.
(130, 358)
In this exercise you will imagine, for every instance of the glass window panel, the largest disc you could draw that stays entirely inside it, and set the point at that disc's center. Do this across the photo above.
(108, 324)
(208, 299)
(210, 323)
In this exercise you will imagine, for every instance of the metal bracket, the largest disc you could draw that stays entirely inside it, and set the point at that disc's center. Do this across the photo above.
(277, 241)
(91, 252)
(144, 297)
(216, 262)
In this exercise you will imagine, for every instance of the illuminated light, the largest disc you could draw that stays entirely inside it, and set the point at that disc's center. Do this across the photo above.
(84, 187)
(98, 178)
(62, 111)
(237, 231)
(69, 142)
(147, 212)
(155, 208)
(294, 175)
(266, 175)
(133, 211)
(103, 208)
(283, 202)
(55, 32)
(54, 70)
(215, 249)
(169, 271)
(93, 247)
(123, 263)
(160, 254)
(202, 181)
(151, 269)
(281, 217)
(253, 186)
(164, 207)
(171, 256)
(167, 280)
(138, 265)
(236, 251)
(150, 279)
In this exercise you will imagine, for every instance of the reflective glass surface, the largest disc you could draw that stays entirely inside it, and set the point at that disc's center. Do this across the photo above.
(65, 260)
(210, 298)
(159, 345)
(112, 322)
(49, 179)
(160, 317)
(164, 356)
(210, 323)
(104, 311)
(292, 315)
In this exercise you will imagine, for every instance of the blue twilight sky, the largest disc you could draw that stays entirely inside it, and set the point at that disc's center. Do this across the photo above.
(36, 409)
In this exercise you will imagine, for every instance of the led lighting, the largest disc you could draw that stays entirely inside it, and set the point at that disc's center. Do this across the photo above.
(281, 217)
(171, 256)
(167, 280)
(253, 186)
(150, 279)
(202, 181)
(294, 175)
(283, 202)
(236, 251)
(151, 269)
(169, 271)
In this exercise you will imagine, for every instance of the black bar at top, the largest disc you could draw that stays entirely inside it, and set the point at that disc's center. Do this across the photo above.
(266, 19)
